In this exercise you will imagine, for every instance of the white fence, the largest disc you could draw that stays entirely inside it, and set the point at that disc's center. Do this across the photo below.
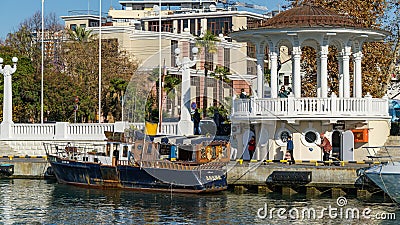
(324, 107)
(72, 131)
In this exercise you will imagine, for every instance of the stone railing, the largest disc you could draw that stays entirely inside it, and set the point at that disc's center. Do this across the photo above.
(74, 131)
(305, 107)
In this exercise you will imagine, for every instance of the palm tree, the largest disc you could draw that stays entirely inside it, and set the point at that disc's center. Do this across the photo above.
(80, 34)
(207, 42)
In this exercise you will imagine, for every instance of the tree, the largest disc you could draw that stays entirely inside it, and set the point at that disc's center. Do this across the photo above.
(80, 34)
(207, 42)
(80, 60)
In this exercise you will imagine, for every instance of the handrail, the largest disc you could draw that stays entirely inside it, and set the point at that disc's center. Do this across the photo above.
(298, 107)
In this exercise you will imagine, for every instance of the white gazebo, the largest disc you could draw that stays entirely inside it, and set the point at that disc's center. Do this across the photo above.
(297, 115)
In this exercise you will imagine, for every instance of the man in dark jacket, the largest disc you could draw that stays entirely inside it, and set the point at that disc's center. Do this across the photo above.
(289, 149)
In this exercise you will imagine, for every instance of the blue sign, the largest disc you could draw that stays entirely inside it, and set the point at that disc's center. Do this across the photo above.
(193, 105)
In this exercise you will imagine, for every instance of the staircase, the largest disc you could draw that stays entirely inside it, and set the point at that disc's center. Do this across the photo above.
(6, 150)
(394, 150)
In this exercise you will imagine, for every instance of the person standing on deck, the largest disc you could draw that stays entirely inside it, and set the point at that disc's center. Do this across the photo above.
(252, 147)
(196, 121)
(289, 149)
(326, 147)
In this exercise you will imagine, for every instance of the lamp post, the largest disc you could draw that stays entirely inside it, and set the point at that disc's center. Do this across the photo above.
(7, 71)
(185, 124)
(42, 67)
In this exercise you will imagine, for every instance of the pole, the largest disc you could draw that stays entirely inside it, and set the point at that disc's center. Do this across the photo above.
(42, 67)
(159, 72)
(100, 63)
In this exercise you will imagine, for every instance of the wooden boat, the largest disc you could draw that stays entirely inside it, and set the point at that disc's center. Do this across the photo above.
(138, 162)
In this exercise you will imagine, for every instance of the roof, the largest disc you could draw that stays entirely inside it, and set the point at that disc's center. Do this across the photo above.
(309, 15)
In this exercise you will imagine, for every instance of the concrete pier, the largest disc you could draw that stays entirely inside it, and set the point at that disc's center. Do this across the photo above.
(27, 167)
(334, 180)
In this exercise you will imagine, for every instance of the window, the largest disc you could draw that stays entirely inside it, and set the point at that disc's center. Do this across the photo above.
(310, 137)
(125, 151)
(286, 80)
(251, 50)
(174, 45)
(73, 27)
(219, 25)
(281, 136)
(227, 58)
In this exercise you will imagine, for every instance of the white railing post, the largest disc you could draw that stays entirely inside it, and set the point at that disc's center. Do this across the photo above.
(290, 105)
(385, 105)
(120, 126)
(333, 104)
(61, 130)
(368, 101)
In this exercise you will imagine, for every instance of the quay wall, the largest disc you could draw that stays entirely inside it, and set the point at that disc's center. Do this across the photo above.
(32, 168)
(254, 174)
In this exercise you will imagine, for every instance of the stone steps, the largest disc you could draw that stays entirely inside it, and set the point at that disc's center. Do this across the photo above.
(394, 150)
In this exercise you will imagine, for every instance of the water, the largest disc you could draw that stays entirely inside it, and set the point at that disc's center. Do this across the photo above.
(42, 202)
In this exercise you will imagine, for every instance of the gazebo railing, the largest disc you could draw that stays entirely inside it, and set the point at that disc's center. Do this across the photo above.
(332, 106)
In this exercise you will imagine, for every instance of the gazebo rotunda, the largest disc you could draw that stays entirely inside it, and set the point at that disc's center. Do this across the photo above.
(316, 27)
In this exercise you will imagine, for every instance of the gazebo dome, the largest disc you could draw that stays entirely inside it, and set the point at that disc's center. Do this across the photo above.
(309, 15)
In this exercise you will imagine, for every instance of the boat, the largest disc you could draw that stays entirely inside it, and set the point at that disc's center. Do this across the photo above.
(6, 170)
(386, 177)
(135, 161)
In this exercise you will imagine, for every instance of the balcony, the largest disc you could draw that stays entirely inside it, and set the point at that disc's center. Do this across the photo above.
(295, 109)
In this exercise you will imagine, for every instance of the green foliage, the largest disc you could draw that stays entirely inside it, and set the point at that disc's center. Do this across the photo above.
(221, 73)
(222, 111)
(80, 34)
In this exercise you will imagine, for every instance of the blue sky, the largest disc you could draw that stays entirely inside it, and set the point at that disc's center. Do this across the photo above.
(13, 12)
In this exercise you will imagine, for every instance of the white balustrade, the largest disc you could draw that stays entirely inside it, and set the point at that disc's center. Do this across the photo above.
(324, 107)
(77, 131)
(33, 131)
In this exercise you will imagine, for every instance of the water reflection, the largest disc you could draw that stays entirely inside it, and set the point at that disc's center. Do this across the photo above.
(34, 201)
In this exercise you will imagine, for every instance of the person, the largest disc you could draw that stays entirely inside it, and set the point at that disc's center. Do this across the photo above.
(217, 120)
(243, 94)
(196, 121)
(283, 93)
(252, 146)
(289, 149)
(326, 147)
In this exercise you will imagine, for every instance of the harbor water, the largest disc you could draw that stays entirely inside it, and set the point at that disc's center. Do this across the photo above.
(43, 202)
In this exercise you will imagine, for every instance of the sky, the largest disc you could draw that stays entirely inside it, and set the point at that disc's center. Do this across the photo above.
(13, 12)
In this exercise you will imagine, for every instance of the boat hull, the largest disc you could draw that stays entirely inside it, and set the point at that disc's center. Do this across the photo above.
(387, 178)
(95, 175)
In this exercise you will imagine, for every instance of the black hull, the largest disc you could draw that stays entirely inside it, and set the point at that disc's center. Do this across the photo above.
(95, 175)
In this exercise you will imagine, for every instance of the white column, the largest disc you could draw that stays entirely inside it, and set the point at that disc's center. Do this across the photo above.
(346, 75)
(357, 75)
(340, 75)
(296, 78)
(274, 74)
(260, 75)
(324, 72)
(318, 75)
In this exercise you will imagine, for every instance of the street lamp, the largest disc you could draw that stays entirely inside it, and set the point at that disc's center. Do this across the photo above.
(185, 124)
(7, 71)
(42, 67)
